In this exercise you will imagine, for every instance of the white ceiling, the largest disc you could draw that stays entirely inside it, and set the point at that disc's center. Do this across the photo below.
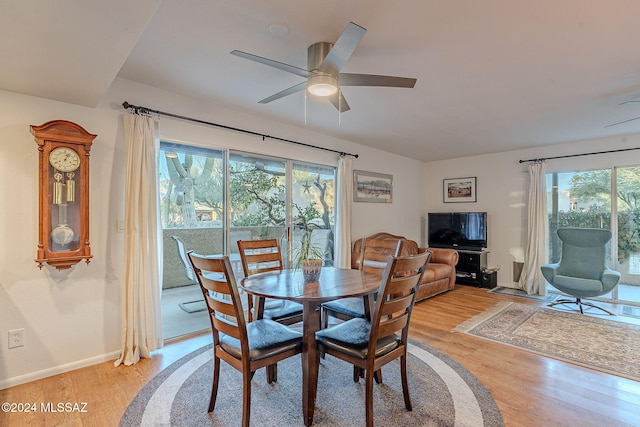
(493, 75)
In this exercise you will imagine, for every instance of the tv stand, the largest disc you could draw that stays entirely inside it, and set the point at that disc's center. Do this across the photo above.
(471, 265)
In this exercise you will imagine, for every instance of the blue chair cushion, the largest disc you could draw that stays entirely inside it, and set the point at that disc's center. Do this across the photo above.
(353, 307)
(352, 337)
(276, 309)
(287, 309)
(266, 338)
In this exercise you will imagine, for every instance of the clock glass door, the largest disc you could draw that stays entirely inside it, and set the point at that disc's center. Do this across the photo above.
(65, 209)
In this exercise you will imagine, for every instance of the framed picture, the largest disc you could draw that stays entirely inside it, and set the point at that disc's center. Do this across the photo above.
(459, 190)
(372, 187)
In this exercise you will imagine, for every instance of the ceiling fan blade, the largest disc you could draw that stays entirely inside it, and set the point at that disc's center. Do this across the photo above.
(347, 79)
(282, 94)
(342, 49)
(624, 121)
(270, 62)
(339, 102)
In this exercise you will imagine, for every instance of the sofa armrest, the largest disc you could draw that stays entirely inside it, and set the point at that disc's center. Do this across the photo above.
(355, 254)
(442, 255)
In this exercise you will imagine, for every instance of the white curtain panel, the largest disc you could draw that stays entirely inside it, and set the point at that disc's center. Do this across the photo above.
(140, 313)
(343, 213)
(531, 279)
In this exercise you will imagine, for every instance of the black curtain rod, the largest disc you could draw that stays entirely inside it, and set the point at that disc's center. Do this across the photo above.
(144, 110)
(577, 155)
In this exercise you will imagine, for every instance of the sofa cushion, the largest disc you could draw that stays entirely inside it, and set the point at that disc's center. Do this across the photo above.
(438, 271)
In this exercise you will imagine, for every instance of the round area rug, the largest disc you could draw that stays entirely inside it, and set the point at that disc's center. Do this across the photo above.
(443, 393)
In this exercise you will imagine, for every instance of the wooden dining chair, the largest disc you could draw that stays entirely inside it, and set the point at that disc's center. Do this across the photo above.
(370, 344)
(245, 346)
(259, 256)
(373, 259)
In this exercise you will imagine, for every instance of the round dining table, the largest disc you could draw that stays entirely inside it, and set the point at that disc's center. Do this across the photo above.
(334, 283)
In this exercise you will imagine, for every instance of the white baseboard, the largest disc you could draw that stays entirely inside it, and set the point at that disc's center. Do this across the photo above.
(32, 376)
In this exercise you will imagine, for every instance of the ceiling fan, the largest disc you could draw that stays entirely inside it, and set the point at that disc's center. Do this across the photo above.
(324, 62)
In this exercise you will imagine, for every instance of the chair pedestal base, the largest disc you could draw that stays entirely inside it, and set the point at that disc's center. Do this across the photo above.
(580, 303)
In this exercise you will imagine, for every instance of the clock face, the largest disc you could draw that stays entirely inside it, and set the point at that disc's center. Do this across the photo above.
(64, 159)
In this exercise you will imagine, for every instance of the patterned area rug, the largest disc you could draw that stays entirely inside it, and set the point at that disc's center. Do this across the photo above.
(595, 343)
(443, 393)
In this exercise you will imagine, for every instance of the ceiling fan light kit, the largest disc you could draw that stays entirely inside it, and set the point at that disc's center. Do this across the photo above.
(320, 85)
(324, 62)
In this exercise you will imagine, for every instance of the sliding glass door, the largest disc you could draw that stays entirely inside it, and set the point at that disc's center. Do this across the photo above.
(313, 198)
(257, 200)
(210, 199)
(584, 199)
(627, 188)
(191, 183)
(271, 197)
(578, 199)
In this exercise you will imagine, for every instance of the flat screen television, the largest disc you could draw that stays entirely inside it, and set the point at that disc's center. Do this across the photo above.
(458, 230)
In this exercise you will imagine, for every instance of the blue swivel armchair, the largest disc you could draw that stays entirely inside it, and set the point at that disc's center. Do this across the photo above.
(582, 272)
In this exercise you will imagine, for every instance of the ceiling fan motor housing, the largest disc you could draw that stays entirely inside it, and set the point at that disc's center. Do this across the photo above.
(320, 83)
(316, 54)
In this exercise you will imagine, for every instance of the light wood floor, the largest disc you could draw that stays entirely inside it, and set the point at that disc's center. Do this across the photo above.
(530, 390)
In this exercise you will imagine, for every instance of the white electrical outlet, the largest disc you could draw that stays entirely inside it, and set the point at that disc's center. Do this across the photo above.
(16, 338)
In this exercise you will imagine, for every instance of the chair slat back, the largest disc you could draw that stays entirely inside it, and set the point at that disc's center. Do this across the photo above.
(220, 290)
(375, 253)
(397, 296)
(396, 305)
(259, 256)
(391, 325)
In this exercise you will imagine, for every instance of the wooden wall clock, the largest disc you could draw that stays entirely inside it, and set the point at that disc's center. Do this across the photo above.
(63, 230)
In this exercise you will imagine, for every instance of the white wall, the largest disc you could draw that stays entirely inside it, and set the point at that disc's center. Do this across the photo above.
(71, 318)
(502, 189)
(68, 316)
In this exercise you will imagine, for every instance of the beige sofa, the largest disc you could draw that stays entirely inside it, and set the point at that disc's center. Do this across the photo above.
(440, 275)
